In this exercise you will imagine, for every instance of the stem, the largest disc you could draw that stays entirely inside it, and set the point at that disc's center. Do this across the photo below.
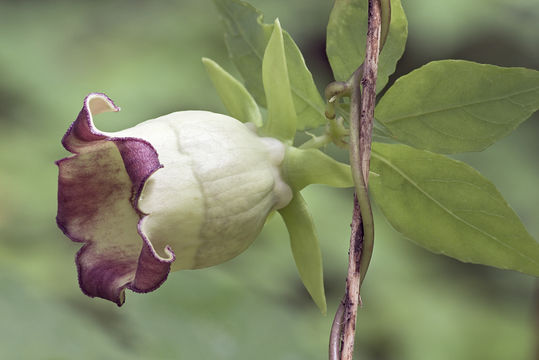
(335, 334)
(536, 311)
(334, 132)
(361, 123)
(316, 142)
(333, 92)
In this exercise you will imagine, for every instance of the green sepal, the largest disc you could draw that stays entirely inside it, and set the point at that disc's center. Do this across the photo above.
(305, 248)
(246, 38)
(309, 105)
(448, 207)
(281, 122)
(237, 100)
(312, 166)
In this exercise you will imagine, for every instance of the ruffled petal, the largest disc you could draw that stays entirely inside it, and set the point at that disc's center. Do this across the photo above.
(98, 191)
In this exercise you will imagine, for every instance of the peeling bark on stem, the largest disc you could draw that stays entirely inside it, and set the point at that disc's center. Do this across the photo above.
(362, 234)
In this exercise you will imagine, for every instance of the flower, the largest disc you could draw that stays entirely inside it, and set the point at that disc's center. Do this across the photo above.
(186, 190)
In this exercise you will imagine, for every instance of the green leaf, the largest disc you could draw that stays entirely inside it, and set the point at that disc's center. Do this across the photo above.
(305, 248)
(246, 39)
(237, 100)
(346, 39)
(281, 123)
(454, 106)
(394, 46)
(312, 166)
(448, 207)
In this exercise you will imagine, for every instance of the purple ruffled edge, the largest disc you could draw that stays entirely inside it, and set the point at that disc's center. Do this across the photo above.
(141, 161)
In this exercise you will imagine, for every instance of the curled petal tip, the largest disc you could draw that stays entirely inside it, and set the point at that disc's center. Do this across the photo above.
(97, 103)
(98, 189)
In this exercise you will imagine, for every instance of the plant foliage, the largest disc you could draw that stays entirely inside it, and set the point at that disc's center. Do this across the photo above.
(444, 107)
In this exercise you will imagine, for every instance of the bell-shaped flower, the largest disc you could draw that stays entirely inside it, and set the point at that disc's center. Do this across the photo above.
(183, 191)
(193, 189)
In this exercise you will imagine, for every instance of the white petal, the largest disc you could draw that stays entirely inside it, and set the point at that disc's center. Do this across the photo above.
(218, 184)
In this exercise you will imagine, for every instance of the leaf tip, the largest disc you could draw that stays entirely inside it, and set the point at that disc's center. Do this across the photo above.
(277, 27)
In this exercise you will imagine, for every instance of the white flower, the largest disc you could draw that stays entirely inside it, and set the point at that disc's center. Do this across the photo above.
(187, 190)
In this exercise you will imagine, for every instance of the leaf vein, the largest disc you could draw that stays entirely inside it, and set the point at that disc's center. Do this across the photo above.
(242, 33)
(453, 107)
(481, 118)
(449, 211)
(465, 183)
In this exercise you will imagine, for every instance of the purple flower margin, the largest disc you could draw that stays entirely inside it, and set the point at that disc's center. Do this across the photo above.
(98, 190)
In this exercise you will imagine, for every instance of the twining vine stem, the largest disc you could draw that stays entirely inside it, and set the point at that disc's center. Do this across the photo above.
(362, 86)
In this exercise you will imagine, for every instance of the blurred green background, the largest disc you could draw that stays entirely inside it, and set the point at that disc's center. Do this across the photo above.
(146, 56)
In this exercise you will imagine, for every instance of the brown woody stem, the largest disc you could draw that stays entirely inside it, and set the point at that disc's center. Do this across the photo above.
(363, 99)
